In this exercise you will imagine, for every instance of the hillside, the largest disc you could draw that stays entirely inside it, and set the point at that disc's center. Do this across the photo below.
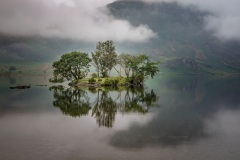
(183, 45)
(21, 50)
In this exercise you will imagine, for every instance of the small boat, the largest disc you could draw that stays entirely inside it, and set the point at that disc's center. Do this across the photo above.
(21, 87)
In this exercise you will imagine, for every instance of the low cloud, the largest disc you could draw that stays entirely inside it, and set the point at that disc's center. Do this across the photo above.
(89, 21)
(225, 18)
(85, 20)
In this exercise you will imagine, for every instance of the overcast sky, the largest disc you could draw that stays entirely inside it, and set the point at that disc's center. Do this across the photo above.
(74, 19)
(225, 21)
(82, 19)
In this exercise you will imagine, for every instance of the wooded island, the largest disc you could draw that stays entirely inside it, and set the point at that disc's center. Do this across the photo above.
(75, 67)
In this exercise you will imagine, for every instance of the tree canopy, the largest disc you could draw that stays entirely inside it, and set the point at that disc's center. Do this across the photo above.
(75, 65)
(104, 57)
(138, 66)
(71, 66)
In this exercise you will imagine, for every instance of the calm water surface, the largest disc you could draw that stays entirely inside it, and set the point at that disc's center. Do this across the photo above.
(173, 117)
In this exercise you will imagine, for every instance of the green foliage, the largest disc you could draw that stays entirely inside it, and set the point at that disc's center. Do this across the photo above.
(149, 68)
(137, 67)
(123, 81)
(74, 66)
(116, 81)
(104, 57)
(94, 75)
(91, 80)
(71, 66)
(111, 82)
(122, 61)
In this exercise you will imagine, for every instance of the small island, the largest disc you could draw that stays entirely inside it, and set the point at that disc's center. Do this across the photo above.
(131, 69)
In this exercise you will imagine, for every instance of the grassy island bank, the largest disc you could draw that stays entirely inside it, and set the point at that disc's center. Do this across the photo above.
(132, 69)
(105, 82)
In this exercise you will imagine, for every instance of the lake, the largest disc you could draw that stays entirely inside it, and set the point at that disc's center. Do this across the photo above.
(173, 117)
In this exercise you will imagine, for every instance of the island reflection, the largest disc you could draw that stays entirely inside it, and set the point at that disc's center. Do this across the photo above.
(191, 110)
(76, 102)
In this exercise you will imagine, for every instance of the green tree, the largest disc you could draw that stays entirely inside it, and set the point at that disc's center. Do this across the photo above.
(104, 57)
(138, 67)
(94, 75)
(96, 61)
(122, 61)
(72, 66)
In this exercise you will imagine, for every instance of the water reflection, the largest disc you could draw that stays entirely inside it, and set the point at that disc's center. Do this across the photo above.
(73, 102)
(139, 100)
(104, 107)
(12, 80)
(198, 119)
(186, 84)
(184, 113)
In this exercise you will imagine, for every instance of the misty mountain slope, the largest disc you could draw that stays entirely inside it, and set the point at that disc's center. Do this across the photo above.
(15, 49)
(183, 45)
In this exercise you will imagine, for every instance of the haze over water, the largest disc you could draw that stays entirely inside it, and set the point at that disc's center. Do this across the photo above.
(173, 117)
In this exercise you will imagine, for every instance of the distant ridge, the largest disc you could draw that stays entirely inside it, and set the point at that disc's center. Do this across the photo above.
(182, 44)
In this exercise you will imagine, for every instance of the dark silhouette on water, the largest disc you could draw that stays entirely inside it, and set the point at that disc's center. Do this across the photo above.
(76, 103)
(21, 87)
(185, 113)
(73, 102)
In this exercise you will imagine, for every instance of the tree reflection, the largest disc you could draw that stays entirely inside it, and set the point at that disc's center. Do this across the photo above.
(189, 105)
(73, 102)
(104, 109)
(138, 100)
(76, 103)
